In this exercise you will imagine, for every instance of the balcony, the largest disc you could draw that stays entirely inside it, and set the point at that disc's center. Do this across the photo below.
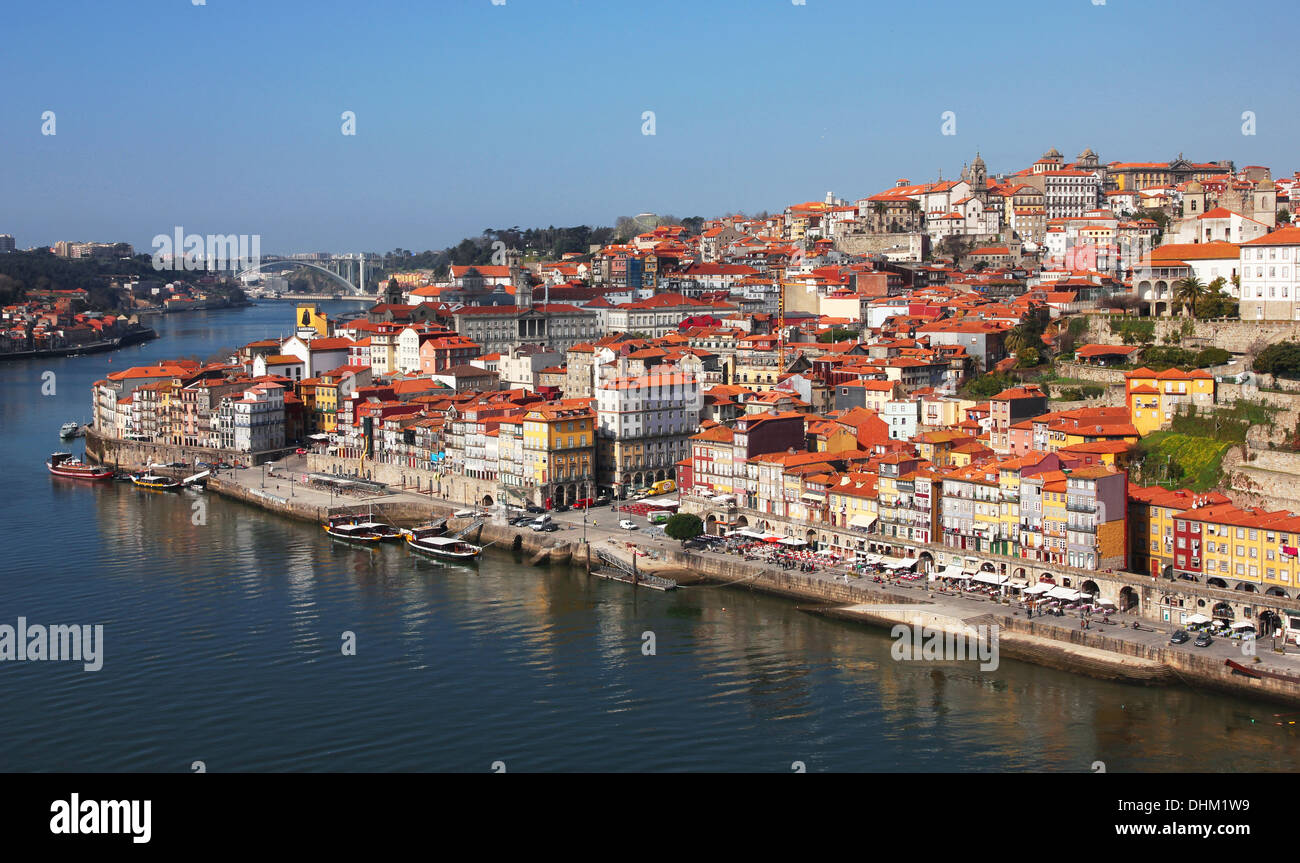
(1088, 506)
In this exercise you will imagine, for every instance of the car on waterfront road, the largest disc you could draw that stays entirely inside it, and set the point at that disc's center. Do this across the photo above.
(521, 520)
(1203, 640)
(549, 527)
(300, 451)
(532, 507)
(561, 507)
(627, 524)
(1179, 637)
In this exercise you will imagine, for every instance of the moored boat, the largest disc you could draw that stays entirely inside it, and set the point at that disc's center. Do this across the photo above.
(358, 528)
(430, 541)
(155, 482)
(63, 464)
(70, 430)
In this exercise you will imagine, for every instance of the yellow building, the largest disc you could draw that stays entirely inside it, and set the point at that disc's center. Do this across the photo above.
(1154, 398)
(308, 318)
(559, 449)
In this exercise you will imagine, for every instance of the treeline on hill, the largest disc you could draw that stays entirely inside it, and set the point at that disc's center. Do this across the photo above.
(547, 244)
(42, 270)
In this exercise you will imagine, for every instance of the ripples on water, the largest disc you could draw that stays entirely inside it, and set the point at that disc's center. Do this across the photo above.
(222, 644)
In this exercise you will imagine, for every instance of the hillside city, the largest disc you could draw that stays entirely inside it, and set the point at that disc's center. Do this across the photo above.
(1077, 364)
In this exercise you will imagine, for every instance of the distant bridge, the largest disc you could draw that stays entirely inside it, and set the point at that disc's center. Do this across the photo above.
(347, 271)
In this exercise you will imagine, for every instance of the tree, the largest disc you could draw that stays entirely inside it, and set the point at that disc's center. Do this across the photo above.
(1027, 357)
(1188, 292)
(684, 526)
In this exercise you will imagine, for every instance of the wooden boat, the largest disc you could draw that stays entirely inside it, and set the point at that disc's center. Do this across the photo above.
(155, 482)
(353, 526)
(429, 540)
(63, 464)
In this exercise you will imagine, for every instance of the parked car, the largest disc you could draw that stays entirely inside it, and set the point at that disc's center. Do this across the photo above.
(603, 500)
(521, 520)
(532, 507)
(300, 451)
(561, 507)
(1179, 637)
(627, 524)
(1203, 640)
(583, 503)
(549, 527)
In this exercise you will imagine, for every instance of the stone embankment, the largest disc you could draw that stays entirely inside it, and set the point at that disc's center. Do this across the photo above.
(1095, 652)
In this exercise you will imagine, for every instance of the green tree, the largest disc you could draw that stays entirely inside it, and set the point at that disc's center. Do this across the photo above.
(1027, 358)
(1188, 292)
(684, 526)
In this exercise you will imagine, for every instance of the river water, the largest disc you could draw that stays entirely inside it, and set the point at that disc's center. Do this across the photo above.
(223, 628)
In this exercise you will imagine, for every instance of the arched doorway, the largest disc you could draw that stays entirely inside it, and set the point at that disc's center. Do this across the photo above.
(487, 500)
(926, 562)
(1276, 591)
(1090, 587)
(1269, 623)
(1223, 611)
(711, 524)
(1128, 599)
(1246, 587)
(1216, 582)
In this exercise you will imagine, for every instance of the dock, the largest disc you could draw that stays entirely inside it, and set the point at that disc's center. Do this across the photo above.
(614, 568)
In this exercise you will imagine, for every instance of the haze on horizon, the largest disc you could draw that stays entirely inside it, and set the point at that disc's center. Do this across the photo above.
(227, 117)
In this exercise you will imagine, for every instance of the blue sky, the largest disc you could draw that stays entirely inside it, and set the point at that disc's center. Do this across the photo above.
(225, 118)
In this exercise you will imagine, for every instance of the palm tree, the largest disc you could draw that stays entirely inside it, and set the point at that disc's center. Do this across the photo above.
(1016, 339)
(1188, 292)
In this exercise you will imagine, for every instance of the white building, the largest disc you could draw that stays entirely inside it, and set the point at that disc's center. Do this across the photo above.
(1269, 279)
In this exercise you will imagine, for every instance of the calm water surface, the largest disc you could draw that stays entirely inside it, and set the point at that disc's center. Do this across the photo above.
(222, 644)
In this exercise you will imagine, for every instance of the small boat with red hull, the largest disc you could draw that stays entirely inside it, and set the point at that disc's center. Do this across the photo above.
(63, 464)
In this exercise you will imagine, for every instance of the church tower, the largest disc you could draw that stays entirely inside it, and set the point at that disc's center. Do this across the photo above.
(523, 288)
(393, 294)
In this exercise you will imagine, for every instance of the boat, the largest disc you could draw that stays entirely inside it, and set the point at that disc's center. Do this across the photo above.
(155, 482)
(70, 430)
(63, 464)
(385, 532)
(358, 529)
(429, 540)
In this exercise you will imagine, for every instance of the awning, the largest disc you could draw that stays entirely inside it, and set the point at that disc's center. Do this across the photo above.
(862, 521)
(1065, 593)
(790, 540)
(808, 495)
(950, 572)
(749, 533)
(900, 562)
(1038, 588)
(990, 578)
(1019, 582)
(1243, 624)
(1198, 618)
(1106, 602)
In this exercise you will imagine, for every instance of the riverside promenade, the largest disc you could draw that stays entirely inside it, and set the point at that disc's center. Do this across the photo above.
(1115, 651)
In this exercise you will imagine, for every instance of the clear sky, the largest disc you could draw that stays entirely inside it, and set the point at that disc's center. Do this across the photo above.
(226, 117)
